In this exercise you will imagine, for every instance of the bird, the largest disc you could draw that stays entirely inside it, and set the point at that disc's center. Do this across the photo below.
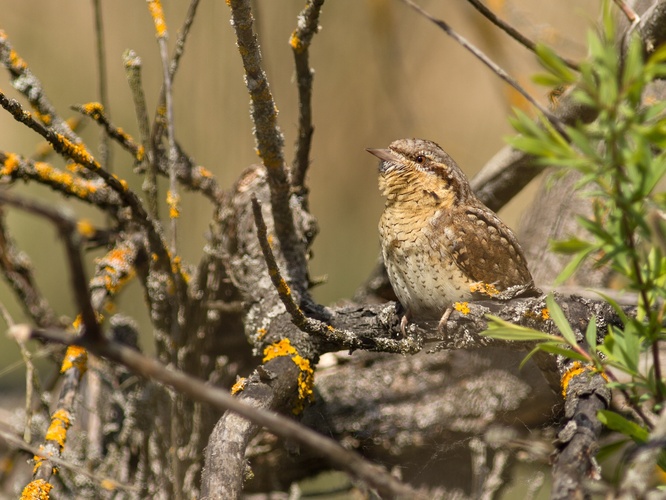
(441, 245)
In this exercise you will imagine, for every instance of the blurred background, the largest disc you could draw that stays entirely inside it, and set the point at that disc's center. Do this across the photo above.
(382, 72)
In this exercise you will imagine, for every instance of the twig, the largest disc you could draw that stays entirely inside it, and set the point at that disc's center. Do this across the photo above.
(511, 31)
(492, 65)
(97, 112)
(105, 482)
(132, 64)
(29, 85)
(269, 142)
(640, 469)
(14, 167)
(17, 270)
(308, 25)
(79, 154)
(173, 199)
(69, 231)
(179, 49)
(284, 427)
(631, 15)
(105, 146)
(342, 338)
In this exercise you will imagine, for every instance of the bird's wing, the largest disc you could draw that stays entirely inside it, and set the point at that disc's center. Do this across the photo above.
(485, 249)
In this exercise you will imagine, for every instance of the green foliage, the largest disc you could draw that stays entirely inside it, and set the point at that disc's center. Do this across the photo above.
(621, 163)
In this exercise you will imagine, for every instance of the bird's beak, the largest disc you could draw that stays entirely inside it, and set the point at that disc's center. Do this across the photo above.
(383, 154)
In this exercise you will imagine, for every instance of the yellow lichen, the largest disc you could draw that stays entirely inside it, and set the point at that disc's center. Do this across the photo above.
(140, 153)
(261, 333)
(238, 386)
(85, 228)
(545, 314)
(75, 357)
(10, 164)
(93, 109)
(173, 201)
(204, 172)
(108, 484)
(37, 490)
(50, 175)
(306, 375)
(296, 43)
(157, 14)
(17, 61)
(462, 307)
(57, 431)
(484, 288)
(575, 369)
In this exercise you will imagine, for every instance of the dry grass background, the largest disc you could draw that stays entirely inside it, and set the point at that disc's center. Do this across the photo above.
(382, 72)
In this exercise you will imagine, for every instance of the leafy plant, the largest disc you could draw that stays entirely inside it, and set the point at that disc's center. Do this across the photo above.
(621, 162)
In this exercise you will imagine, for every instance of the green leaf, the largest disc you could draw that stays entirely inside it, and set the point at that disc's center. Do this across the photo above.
(572, 266)
(557, 348)
(560, 320)
(505, 330)
(618, 423)
(591, 333)
(554, 64)
(572, 245)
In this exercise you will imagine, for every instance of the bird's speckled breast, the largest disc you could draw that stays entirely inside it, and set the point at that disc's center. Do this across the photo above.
(425, 278)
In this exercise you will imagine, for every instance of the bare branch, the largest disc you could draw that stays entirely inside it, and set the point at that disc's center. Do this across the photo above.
(308, 25)
(511, 31)
(29, 85)
(372, 474)
(69, 231)
(18, 272)
(79, 154)
(269, 142)
(132, 64)
(492, 65)
(105, 146)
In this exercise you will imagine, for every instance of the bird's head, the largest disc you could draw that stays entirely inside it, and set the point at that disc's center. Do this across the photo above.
(419, 171)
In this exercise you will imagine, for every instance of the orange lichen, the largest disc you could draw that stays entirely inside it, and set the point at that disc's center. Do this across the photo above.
(74, 185)
(157, 14)
(37, 490)
(116, 269)
(462, 307)
(108, 484)
(173, 202)
(57, 431)
(484, 288)
(296, 43)
(85, 228)
(75, 357)
(140, 153)
(239, 385)
(44, 118)
(122, 182)
(261, 333)
(545, 314)
(93, 109)
(10, 164)
(16, 61)
(575, 369)
(306, 375)
(203, 172)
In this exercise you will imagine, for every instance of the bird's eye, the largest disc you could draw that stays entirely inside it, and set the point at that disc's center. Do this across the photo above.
(420, 159)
